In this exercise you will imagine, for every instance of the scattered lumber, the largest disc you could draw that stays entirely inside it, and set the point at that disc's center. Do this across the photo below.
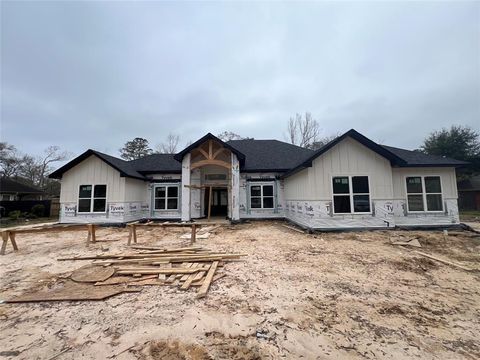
(72, 291)
(124, 280)
(208, 280)
(445, 261)
(215, 278)
(92, 273)
(186, 267)
(149, 271)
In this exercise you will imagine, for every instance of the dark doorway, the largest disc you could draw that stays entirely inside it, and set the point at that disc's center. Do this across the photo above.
(219, 206)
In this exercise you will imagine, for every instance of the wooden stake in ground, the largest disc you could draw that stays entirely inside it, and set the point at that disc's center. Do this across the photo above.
(208, 279)
(91, 234)
(194, 234)
(132, 233)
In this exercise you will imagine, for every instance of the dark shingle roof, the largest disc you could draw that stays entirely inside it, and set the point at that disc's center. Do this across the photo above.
(11, 186)
(261, 156)
(417, 158)
(270, 155)
(398, 157)
(157, 163)
(124, 167)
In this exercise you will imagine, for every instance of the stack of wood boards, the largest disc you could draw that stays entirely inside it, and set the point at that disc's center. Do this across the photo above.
(149, 265)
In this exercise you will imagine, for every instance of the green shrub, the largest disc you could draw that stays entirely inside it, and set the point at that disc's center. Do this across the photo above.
(15, 215)
(38, 210)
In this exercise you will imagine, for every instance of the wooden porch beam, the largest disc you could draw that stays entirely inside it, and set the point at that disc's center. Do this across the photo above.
(203, 152)
(210, 162)
(218, 152)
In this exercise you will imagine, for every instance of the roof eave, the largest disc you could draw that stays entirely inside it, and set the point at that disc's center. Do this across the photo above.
(57, 174)
(407, 165)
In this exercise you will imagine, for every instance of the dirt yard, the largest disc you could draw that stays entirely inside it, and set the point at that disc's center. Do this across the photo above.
(323, 296)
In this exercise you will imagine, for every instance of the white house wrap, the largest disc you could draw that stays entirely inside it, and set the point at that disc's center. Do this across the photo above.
(352, 182)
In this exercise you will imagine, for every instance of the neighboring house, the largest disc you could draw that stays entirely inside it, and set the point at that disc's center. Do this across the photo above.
(469, 193)
(11, 190)
(352, 182)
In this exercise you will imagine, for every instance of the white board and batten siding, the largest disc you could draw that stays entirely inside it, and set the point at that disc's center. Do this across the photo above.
(448, 216)
(309, 193)
(125, 199)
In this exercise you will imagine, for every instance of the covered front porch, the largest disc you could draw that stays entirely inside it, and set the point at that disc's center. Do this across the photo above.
(210, 182)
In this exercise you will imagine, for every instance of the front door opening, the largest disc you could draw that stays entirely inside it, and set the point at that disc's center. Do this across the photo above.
(219, 204)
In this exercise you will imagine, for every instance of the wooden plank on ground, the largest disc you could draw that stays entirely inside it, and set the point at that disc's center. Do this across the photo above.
(72, 292)
(92, 273)
(190, 278)
(293, 228)
(445, 261)
(215, 278)
(184, 277)
(208, 279)
(148, 271)
(123, 280)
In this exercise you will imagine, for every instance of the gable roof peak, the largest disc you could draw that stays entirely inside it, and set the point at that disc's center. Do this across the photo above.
(209, 136)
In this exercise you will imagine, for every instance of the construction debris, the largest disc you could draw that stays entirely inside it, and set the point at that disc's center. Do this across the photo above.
(183, 267)
(92, 273)
(72, 291)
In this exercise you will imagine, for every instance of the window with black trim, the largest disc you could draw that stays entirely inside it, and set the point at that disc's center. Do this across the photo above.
(351, 194)
(166, 197)
(424, 193)
(261, 197)
(92, 201)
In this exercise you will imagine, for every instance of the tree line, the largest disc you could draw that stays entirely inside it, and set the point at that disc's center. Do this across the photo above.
(30, 169)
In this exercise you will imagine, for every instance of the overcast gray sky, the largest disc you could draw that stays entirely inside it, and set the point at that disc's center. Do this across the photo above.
(96, 74)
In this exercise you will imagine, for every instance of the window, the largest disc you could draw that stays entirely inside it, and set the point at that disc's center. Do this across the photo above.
(215, 177)
(424, 193)
(261, 197)
(166, 197)
(92, 201)
(7, 197)
(351, 192)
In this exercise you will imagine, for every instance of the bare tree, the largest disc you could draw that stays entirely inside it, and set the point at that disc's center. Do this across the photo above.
(30, 170)
(10, 160)
(170, 145)
(50, 155)
(322, 141)
(303, 131)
